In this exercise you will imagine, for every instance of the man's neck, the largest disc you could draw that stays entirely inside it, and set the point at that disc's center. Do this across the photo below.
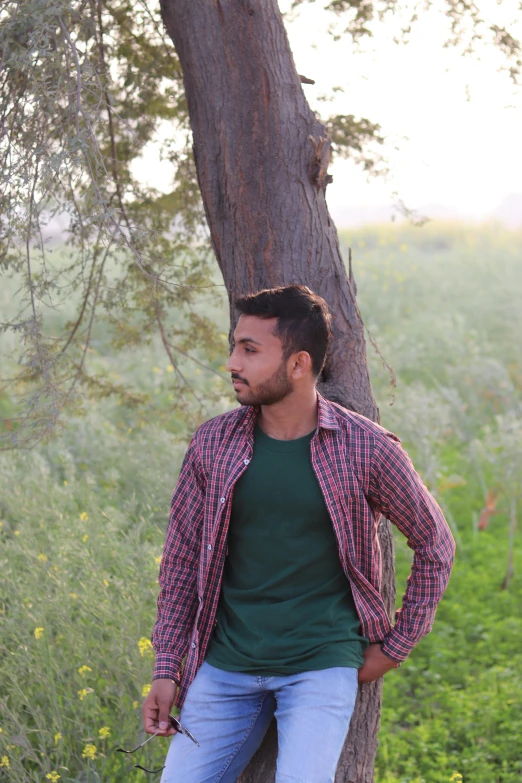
(292, 418)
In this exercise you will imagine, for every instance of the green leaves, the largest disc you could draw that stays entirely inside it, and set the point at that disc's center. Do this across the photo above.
(357, 139)
(85, 86)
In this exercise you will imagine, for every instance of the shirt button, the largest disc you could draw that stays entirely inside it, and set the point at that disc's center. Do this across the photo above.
(222, 500)
(246, 461)
(193, 645)
(209, 547)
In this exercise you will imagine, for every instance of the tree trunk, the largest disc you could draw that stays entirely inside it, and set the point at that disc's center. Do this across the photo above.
(261, 158)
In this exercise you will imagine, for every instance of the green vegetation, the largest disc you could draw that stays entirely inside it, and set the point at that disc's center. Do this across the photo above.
(83, 519)
(443, 303)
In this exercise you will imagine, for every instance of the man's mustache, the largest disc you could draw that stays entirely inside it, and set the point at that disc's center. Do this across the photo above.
(239, 378)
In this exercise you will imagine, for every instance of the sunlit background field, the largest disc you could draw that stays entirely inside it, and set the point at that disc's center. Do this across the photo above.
(83, 519)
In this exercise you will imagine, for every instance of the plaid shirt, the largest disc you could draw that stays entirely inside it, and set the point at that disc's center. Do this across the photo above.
(363, 472)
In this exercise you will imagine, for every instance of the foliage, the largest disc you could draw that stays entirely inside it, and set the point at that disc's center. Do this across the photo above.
(469, 25)
(138, 378)
(84, 87)
(455, 706)
(356, 139)
(82, 538)
(83, 521)
(440, 301)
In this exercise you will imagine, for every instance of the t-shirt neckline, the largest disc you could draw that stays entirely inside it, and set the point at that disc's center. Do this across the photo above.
(273, 444)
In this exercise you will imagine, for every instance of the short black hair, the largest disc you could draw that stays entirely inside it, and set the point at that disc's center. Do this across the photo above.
(303, 319)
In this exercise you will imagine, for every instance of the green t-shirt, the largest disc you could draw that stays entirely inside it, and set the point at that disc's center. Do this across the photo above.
(286, 605)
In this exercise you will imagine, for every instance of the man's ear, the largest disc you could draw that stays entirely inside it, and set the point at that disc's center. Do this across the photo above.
(301, 365)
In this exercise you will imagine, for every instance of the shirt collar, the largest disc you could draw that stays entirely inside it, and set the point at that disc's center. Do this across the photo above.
(248, 419)
(326, 418)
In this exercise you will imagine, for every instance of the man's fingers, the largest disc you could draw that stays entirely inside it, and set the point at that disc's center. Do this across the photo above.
(164, 723)
(150, 717)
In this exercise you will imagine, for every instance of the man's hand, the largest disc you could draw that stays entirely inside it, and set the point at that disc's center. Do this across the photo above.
(157, 706)
(376, 663)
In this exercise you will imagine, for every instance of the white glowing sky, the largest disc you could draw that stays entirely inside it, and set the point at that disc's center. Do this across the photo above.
(453, 124)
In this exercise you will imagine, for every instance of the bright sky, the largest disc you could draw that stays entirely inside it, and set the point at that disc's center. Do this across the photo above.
(453, 124)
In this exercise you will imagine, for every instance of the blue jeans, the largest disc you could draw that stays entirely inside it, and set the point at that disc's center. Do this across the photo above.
(229, 713)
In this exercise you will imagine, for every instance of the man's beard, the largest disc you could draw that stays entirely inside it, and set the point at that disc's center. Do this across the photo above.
(273, 390)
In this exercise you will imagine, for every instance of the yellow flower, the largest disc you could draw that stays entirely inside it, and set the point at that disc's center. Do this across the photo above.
(106, 582)
(456, 778)
(156, 369)
(4, 762)
(42, 557)
(57, 737)
(145, 690)
(84, 669)
(170, 368)
(53, 776)
(84, 692)
(84, 538)
(64, 483)
(157, 560)
(84, 516)
(73, 596)
(38, 633)
(104, 732)
(145, 646)
(135, 705)
(89, 751)
(17, 532)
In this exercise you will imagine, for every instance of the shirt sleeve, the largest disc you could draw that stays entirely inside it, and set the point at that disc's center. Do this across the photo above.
(177, 600)
(398, 492)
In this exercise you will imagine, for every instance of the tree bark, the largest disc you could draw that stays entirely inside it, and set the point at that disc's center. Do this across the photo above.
(261, 157)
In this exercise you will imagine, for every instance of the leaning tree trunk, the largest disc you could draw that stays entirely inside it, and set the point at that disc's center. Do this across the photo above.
(261, 158)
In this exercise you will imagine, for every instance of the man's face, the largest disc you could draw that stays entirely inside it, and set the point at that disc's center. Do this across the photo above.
(259, 373)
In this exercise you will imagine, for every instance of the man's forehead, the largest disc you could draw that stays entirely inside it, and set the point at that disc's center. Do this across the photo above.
(254, 329)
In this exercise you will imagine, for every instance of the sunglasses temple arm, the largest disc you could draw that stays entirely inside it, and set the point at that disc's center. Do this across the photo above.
(147, 740)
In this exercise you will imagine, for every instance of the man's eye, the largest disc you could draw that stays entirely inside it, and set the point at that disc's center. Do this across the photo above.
(249, 350)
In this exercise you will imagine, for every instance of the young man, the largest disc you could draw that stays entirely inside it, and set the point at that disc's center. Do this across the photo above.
(271, 569)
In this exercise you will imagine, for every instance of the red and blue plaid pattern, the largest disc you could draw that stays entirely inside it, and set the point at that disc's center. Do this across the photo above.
(363, 472)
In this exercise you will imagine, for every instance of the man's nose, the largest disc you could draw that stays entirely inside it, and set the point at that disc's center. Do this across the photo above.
(233, 364)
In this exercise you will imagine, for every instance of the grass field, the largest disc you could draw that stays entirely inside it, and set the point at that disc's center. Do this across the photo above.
(83, 519)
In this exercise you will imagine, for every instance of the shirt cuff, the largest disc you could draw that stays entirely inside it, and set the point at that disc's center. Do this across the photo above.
(166, 667)
(396, 646)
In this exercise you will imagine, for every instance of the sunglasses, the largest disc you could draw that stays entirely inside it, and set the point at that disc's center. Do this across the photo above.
(174, 722)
